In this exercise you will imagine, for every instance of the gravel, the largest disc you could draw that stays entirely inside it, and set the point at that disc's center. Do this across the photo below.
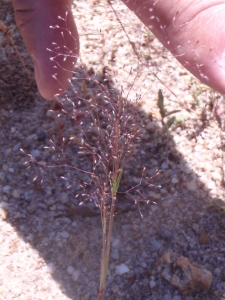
(51, 251)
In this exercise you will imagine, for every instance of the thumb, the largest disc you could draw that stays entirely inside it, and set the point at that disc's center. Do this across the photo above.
(51, 38)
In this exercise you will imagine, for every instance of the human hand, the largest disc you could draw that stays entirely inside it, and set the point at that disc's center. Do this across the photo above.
(192, 30)
(34, 19)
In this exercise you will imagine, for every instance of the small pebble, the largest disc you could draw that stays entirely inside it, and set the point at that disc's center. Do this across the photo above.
(51, 268)
(154, 208)
(166, 203)
(191, 185)
(167, 297)
(122, 269)
(17, 290)
(51, 201)
(50, 113)
(35, 153)
(3, 213)
(65, 234)
(115, 243)
(9, 18)
(16, 194)
(165, 234)
(175, 180)
(31, 208)
(204, 238)
(16, 147)
(70, 270)
(115, 289)
(176, 297)
(155, 244)
(2, 176)
(75, 275)
(217, 272)
(6, 189)
(5, 167)
(41, 136)
(152, 284)
(63, 198)
(164, 165)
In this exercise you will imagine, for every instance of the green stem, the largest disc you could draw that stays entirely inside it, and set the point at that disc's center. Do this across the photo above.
(107, 237)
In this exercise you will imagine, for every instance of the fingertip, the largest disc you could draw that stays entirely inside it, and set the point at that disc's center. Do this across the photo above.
(50, 34)
(51, 85)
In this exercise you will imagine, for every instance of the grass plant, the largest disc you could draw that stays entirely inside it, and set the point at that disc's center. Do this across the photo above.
(104, 131)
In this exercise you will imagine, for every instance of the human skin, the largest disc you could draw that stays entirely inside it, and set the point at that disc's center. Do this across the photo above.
(193, 30)
(34, 19)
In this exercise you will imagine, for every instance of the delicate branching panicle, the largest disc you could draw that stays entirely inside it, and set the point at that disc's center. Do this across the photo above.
(99, 125)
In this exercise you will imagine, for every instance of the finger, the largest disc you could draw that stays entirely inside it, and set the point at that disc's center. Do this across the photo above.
(193, 31)
(51, 37)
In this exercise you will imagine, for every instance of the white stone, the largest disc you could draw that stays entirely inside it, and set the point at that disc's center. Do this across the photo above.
(31, 137)
(191, 185)
(2, 176)
(174, 180)
(3, 213)
(50, 201)
(154, 208)
(152, 284)
(216, 176)
(50, 268)
(187, 170)
(115, 243)
(198, 148)
(65, 234)
(164, 165)
(210, 185)
(50, 113)
(177, 297)
(150, 125)
(76, 275)
(5, 198)
(35, 153)
(5, 167)
(70, 270)
(3, 204)
(16, 193)
(17, 290)
(208, 166)
(115, 254)
(63, 198)
(30, 237)
(6, 189)
(16, 147)
(210, 146)
(122, 269)
(217, 272)
(177, 139)
(154, 195)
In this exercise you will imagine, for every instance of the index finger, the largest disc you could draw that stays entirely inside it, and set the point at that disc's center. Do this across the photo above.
(51, 38)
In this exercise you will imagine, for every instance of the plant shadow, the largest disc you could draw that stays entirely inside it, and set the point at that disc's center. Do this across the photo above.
(69, 240)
